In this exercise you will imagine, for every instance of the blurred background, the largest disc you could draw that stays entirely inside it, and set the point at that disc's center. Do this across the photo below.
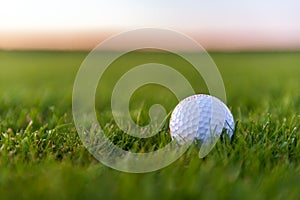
(217, 25)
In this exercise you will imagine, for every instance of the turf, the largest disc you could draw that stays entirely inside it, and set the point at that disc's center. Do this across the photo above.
(41, 155)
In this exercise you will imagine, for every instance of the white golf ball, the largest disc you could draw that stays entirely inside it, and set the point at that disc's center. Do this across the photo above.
(200, 117)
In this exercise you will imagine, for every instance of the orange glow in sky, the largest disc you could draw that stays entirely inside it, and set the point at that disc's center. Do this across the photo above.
(217, 25)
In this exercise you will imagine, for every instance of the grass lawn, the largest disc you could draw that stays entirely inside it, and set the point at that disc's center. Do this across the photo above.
(41, 155)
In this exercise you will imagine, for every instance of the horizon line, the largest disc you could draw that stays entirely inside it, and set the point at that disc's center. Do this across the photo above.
(86, 40)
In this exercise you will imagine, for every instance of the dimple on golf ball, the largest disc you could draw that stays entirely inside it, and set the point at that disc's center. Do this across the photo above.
(200, 117)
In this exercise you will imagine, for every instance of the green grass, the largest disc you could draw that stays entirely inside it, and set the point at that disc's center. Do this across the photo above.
(41, 155)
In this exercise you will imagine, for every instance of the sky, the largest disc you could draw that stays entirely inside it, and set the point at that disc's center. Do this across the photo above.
(216, 23)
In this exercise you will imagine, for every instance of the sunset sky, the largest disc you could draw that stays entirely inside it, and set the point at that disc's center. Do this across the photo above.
(72, 24)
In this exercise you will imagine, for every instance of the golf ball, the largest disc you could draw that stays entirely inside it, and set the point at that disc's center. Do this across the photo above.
(200, 117)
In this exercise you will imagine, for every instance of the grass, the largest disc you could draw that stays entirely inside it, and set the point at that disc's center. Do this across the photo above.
(41, 155)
